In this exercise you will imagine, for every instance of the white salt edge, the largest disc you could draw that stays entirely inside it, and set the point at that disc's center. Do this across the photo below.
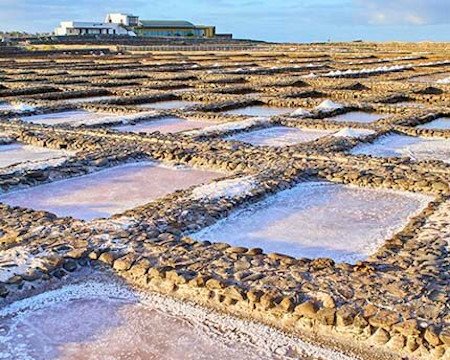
(353, 133)
(329, 105)
(226, 188)
(220, 330)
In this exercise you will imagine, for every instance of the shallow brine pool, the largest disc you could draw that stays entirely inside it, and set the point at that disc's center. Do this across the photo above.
(438, 124)
(6, 106)
(168, 105)
(259, 110)
(356, 116)
(12, 154)
(90, 99)
(76, 117)
(108, 191)
(165, 126)
(103, 320)
(279, 136)
(319, 219)
(416, 148)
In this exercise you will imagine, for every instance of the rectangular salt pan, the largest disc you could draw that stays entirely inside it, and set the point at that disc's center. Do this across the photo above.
(98, 319)
(438, 124)
(89, 99)
(279, 136)
(319, 219)
(18, 153)
(416, 148)
(68, 117)
(356, 116)
(5, 106)
(167, 105)
(109, 191)
(165, 125)
(259, 110)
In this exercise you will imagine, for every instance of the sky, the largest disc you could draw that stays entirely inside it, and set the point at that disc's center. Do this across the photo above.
(270, 20)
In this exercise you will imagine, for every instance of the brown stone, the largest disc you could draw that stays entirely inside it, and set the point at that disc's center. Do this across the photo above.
(307, 309)
(107, 258)
(345, 316)
(432, 336)
(445, 336)
(254, 295)
(213, 284)
(267, 300)
(233, 292)
(381, 336)
(408, 327)
(140, 268)
(384, 319)
(326, 316)
(125, 262)
(287, 304)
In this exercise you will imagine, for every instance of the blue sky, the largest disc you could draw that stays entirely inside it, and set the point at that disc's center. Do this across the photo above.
(273, 20)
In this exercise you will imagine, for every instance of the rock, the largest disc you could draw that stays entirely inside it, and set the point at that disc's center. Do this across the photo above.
(254, 251)
(236, 250)
(307, 309)
(384, 319)
(326, 300)
(445, 336)
(287, 304)
(381, 336)
(70, 265)
(408, 327)
(267, 300)
(254, 295)
(233, 292)
(397, 342)
(213, 284)
(345, 316)
(107, 258)
(125, 262)
(198, 281)
(326, 316)
(3, 291)
(432, 336)
(140, 268)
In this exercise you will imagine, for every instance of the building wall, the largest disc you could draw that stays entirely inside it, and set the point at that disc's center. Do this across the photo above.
(175, 32)
(74, 29)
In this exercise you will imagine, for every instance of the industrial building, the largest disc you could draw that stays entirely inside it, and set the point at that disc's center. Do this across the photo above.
(77, 28)
(127, 24)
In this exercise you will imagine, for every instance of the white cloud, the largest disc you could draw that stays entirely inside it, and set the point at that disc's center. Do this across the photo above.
(403, 12)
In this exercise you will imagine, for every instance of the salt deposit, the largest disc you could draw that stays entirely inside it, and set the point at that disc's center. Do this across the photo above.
(81, 117)
(279, 136)
(109, 191)
(167, 105)
(230, 126)
(165, 125)
(89, 99)
(300, 113)
(259, 110)
(85, 321)
(353, 133)
(5, 106)
(440, 124)
(225, 188)
(416, 148)
(27, 156)
(444, 81)
(357, 116)
(328, 105)
(318, 219)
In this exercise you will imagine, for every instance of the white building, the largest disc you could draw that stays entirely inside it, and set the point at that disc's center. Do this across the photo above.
(122, 19)
(67, 28)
